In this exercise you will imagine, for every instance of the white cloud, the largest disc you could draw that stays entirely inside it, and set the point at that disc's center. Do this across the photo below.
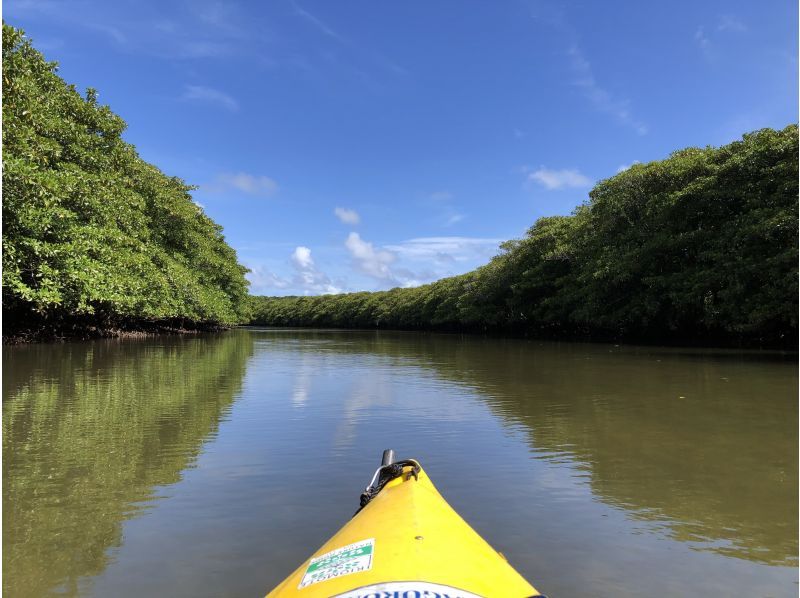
(251, 184)
(601, 99)
(263, 281)
(199, 93)
(304, 278)
(408, 263)
(416, 261)
(308, 277)
(441, 195)
(559, 179)
(519, 133)
(301, 258)
(372, 262)
(347, 216)
(624, 167)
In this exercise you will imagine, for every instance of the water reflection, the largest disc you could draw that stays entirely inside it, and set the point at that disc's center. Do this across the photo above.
(598, 470)
(89, 431)
(702, 443)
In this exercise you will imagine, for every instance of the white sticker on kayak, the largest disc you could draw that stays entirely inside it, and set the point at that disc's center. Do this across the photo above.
(407, 589)
(342, 561)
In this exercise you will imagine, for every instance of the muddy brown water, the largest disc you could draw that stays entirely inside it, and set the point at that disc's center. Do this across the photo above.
(214, 465)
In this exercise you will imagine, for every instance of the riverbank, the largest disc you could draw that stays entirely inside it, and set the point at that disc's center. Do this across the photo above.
(77, 331)
(787, 345)
(700, 247)
(96, 241)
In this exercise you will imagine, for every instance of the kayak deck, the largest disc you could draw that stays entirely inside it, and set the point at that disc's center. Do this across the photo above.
(406, 541)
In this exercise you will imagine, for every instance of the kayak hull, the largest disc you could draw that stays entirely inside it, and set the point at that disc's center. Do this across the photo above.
(407, 541)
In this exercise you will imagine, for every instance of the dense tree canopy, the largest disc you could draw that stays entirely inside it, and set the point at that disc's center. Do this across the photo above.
(701, 246)
(90, 230)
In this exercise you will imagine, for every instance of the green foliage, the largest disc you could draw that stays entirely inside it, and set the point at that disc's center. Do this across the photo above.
(91, 230)
(701, 246)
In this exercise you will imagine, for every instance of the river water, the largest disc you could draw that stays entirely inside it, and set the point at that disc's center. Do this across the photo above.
(214, 465)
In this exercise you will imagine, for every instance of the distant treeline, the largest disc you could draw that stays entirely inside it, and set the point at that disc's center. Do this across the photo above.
(94, 236)
(700, 247)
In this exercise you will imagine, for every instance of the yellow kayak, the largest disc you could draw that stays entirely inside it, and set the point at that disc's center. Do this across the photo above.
(405, 542)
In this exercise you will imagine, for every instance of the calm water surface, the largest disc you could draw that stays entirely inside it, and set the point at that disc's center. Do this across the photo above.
(213, 466)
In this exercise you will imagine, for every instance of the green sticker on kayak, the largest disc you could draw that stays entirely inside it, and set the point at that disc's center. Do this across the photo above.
(352, 558)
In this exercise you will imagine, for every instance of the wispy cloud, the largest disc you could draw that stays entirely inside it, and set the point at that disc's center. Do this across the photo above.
(242, 182)
(205, 29)
(453, 218)
(708, 43)
(731, 23)
(566, 178)
(347, 216)
(624, 167)
(199, 93)
(519, 133)
(446, 250)
(448, 213)
(77, 14)
(702, 40)
(217, 14)
(602, 99)
(109, 30)
(376, 58)
(319, 24)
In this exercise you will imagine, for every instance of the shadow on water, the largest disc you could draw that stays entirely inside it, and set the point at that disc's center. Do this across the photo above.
(89, 431)
(702, 443)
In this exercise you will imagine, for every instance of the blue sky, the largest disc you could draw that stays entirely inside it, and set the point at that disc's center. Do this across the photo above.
(359, 145)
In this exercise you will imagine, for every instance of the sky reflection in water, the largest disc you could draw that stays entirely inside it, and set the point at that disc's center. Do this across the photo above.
(214, 465)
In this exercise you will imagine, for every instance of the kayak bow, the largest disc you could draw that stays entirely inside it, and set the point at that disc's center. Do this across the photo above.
(405, 542)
